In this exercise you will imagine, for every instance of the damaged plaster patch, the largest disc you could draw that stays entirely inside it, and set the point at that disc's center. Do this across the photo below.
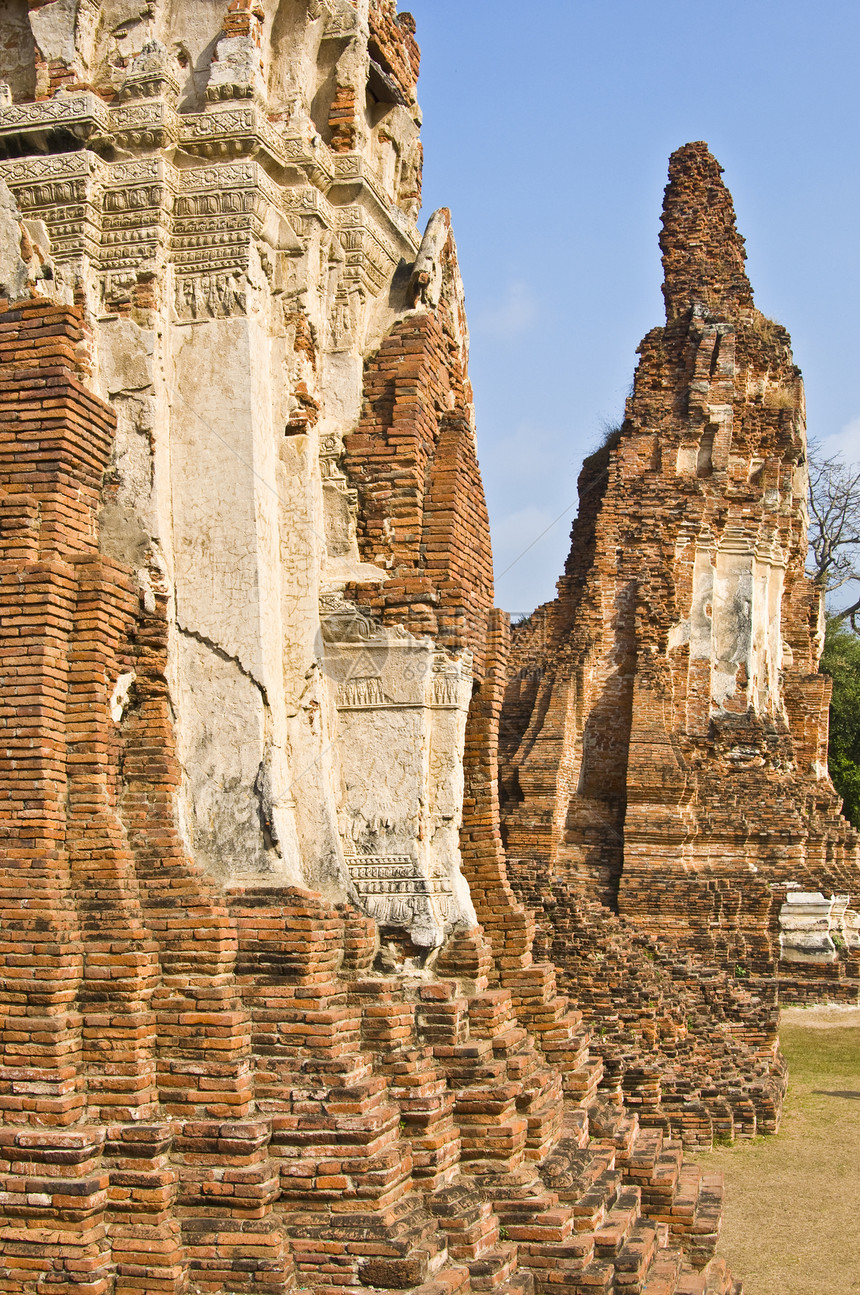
(266, 799)
(153, 578)
(25, 257)
(16, 275)
(679, 634)
(53, 27)
(224, 656)
(123, 537)
(233, 779)
(120, 695)
(125, 356)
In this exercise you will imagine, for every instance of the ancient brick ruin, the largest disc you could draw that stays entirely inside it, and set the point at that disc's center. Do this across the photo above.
(274, 1015)
(664, 733)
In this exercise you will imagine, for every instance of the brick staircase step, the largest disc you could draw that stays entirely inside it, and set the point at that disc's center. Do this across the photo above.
(597, 1278)
(611, 1236)
(714, 1279)
(521, 1283)
(635, 1257)
(495, 1269)
(663, 1274)
(666, 1174)
(647, 1146)
(453, 1280)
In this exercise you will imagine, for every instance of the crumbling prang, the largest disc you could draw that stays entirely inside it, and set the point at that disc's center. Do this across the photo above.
(273, 1016)
(664, 733)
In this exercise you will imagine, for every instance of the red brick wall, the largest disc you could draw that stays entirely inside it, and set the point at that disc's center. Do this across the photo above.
(422, 514)
(54, 442)
(393, 35)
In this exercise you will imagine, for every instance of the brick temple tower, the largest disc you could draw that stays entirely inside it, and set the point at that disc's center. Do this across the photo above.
(664, 734)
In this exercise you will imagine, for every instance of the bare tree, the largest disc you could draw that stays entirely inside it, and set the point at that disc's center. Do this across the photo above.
(834, 529)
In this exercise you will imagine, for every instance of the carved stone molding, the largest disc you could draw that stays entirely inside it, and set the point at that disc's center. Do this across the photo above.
(370, 256)
(394, 892)
(234, 130)
(144, 125)
(80, 114)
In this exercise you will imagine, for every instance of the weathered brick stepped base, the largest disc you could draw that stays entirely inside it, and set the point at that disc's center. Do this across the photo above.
(690, 1047)
(664, 729)
(273, 1015)
(208, 1090)
(836, 982)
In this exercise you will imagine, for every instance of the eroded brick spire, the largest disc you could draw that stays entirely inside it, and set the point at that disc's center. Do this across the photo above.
(703, 253)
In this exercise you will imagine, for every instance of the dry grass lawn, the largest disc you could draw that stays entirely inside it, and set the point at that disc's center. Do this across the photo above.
(792, 1217)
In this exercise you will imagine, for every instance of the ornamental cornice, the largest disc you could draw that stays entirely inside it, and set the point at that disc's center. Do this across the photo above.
(151, 124)
(237, 129)
(81, 114)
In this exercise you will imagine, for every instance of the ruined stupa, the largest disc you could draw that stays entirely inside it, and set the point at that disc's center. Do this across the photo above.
(272, 1017)
(664, 732)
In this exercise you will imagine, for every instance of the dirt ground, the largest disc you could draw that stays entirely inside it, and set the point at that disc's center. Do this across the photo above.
(791, 1224)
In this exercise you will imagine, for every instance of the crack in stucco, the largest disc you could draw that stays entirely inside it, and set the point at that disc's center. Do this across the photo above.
(224, 655)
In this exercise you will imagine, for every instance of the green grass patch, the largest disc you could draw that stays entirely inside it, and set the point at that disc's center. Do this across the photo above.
(792, 1217)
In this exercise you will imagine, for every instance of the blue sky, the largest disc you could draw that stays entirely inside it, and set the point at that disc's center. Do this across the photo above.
(547, 130)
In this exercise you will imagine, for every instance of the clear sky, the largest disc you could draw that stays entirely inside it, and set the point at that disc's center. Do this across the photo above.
(547, 130)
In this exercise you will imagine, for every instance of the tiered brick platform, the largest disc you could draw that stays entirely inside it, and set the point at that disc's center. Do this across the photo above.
(691, 1047)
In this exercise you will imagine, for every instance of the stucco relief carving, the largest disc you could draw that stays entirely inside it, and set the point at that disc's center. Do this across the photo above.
(63, 191)
(393, 891)
(211, 296)
(144, 125)
(402, 708)
(85, 111)
(366, 690)
(342, 19)
(735, 618)
(153, 74)
(233, 130)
